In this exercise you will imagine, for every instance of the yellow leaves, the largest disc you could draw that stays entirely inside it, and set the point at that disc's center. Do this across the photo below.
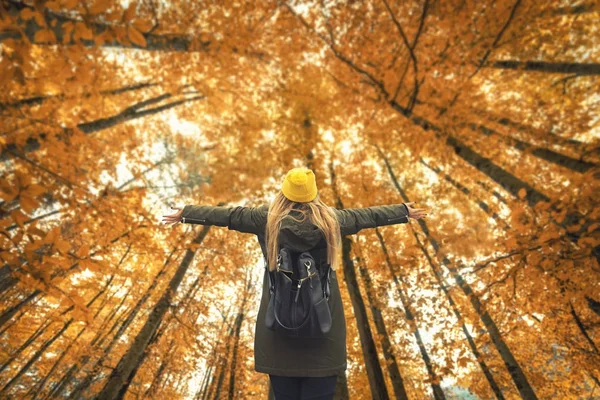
(522, 193)
(7, 191)
(27, 197)
(534, 258)
(142, 25)
(45, 36)
(19, 217)
(92, 265)
(83, 251)
(83, 31)
(129, 14)
(69, 4)
(62, 246)
(136, 36)
(27, 14)
(99, 7)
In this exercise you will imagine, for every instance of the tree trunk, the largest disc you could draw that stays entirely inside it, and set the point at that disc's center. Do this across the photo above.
(549, 67)
(238, 327)
(32, 360)
(438, 276)
(386, 344)
(374, 372)
(37, 100)
(135, 111)
(513, 367)
(133, 356)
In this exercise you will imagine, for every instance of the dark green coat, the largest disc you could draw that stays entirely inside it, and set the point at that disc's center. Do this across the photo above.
(281, 355)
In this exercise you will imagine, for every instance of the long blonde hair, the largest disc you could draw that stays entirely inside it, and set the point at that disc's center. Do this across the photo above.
(319, 213)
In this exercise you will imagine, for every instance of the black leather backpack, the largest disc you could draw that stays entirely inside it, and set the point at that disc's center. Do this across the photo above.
(299, 296)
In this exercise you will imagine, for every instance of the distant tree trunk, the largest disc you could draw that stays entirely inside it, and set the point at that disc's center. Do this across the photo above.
(549, 67)
(510, 361)
(238, 327)
(583, 329)
(132, 357)
(508, 181)
(38, 388)
(462, 188)
(213, 360)
(32, 360)
(374, 372)
(84, 383)
(37, 100)
(222, 366)
(438, 393)
(551, 156)
(42, 329)
(386, 344)
(134, 111)
(57, 389)
(440, 281)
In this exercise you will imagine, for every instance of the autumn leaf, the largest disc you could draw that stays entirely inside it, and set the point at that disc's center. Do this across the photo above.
(129, 13)
(142, 25)
(44, 36)
(136, 36)
(99, 7)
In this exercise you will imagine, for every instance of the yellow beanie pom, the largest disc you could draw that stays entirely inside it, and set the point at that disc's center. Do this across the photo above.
(299, 185)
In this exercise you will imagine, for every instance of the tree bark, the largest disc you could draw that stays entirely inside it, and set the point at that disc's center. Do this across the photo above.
(518, 376)
(386, 344)
(134, 111)
(373, 368)
(549, 67)
(135, 353)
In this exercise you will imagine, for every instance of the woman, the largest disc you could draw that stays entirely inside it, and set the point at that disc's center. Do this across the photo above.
(299, 367)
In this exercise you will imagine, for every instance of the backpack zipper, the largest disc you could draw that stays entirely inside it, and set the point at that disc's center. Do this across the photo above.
(190, 220)
(298, 292)
(394, 219)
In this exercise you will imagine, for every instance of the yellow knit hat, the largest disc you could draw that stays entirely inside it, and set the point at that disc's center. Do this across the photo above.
(299, 185)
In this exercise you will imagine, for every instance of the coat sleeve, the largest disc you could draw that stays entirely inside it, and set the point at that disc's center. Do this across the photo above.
(352, 220)
(237, 218)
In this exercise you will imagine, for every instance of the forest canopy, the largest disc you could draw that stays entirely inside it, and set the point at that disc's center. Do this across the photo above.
(483, 112)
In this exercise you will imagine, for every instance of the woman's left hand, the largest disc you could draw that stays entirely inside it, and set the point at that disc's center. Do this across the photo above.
(173, 218)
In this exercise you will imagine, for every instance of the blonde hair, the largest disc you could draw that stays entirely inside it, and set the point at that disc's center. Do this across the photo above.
(319, 213)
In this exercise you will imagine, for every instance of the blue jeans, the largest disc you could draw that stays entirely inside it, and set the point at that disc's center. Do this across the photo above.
(303, 388)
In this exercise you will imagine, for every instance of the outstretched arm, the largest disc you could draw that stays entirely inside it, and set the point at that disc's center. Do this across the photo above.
(238, 218)
(352, 220)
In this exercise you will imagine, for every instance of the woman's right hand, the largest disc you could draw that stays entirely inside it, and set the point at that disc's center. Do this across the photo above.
(415, 213)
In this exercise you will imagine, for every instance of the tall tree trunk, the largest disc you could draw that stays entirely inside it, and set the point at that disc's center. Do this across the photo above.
(95, 370)
(137, 110)
(37, 100)
(34, 358)
(551, 156)
(133, 356)
(386, 344)
(549, 67)
(223, 364)
(238, 327)
(57, 389)
(462, 188)
(438, 276)
(374, 372)
(39, 387)
(508, 358)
